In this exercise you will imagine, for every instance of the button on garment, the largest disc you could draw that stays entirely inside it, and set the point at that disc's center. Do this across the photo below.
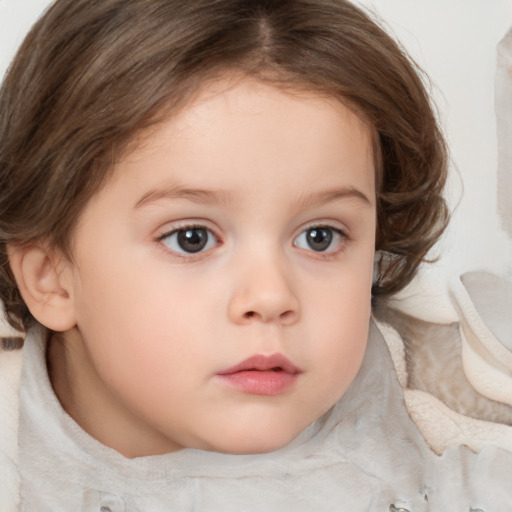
(109, 502)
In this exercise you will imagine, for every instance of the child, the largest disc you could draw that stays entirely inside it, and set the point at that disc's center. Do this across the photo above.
(193, 195)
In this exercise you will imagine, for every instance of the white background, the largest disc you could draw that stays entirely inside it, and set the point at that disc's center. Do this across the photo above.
(455, 42)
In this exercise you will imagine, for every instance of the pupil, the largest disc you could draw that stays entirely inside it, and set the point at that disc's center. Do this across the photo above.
(319, 239)
(192, 240)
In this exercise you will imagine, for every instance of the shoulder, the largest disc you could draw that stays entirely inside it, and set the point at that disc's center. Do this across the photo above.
(456, 369)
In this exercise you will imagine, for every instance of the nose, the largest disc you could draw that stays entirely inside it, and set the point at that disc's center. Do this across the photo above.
(264, 293)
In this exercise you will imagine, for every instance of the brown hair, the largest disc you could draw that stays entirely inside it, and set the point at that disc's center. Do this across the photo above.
(92, 74)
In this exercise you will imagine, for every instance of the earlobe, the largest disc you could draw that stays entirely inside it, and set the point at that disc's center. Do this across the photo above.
(45, 285)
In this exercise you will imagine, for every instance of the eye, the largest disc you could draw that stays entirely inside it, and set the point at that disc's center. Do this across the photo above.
(319, 239)
(189, 240)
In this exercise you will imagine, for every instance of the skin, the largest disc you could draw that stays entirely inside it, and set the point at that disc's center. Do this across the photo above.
(155, 324)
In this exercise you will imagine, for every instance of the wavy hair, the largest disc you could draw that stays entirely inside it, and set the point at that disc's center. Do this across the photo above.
(92, 74)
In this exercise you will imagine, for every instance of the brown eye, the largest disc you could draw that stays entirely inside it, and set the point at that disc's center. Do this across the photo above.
(189, 240)
(192, 240)
(319, 239)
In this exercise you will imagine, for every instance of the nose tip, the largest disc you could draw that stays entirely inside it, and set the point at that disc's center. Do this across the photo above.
(264, 297)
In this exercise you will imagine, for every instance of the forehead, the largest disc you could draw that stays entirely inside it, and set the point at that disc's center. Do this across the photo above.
(225, 114)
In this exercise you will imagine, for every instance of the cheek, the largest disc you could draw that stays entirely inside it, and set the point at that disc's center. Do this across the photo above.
(148, 323)
(341, 322)
(345, 333)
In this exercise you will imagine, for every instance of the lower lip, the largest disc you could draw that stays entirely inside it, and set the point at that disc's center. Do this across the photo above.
(260, 382)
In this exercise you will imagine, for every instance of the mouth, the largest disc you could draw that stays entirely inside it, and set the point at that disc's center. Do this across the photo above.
(261, 375)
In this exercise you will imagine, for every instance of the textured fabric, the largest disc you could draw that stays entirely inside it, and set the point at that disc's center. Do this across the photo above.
(10, 368)
(364, 455)
(485, 303)
(356, 456)
(457, 377)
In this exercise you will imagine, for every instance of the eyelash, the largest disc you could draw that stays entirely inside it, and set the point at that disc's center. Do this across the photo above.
(183, 229)
(338, 237)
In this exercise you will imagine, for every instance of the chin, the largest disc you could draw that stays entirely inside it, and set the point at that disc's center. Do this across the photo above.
(253, 444)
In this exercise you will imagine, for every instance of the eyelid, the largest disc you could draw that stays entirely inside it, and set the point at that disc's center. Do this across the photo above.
(183, 225)
(324, 223)
(179, 224)
(332, 225)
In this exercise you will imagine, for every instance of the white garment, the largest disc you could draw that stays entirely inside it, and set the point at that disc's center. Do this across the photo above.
(346, 458)
(365, 454)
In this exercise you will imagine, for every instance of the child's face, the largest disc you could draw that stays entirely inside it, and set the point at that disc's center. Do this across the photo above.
(244, 226)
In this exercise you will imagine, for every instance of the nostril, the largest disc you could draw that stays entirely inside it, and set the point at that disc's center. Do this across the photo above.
(287, 315)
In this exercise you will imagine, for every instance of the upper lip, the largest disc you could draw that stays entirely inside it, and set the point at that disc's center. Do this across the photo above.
(263, 363)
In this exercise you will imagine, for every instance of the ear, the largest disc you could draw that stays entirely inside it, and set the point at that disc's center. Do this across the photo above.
(44, 280)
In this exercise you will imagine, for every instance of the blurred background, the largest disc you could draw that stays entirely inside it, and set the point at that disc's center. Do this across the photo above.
(456, 42)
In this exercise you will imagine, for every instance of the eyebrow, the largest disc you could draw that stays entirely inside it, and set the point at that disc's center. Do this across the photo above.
(330, 195)
(205, 196)
(195, 195)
